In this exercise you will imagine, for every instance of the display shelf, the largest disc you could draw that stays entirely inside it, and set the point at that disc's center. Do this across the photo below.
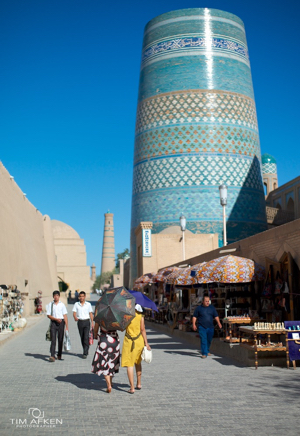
(257, 348)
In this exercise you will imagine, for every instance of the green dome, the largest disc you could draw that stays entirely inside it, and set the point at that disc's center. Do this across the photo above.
(268, 158)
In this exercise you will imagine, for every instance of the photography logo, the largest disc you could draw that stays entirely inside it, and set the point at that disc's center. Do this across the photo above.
(36, 419)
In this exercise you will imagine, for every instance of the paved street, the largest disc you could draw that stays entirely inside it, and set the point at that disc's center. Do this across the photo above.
(182, 394)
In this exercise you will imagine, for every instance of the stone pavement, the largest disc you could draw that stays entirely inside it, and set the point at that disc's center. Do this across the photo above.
(182, 394)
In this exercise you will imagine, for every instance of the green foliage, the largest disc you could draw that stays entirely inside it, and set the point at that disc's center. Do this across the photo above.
(103, 279)
(125, 253)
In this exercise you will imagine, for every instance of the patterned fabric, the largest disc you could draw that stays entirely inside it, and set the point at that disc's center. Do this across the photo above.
(171, 277)
(107, 356)
(230, 269)
(185, 278)
(144, 279)
(164, 272)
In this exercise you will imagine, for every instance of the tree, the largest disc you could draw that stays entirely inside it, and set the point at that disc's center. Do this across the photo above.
(103, 279)
(125, 253)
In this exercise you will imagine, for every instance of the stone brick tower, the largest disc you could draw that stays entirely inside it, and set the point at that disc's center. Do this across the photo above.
(108, 250)
(196, 128)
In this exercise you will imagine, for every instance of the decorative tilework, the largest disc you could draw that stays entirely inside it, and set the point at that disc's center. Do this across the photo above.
(196, 171)
(269, 168)
(195, 107)
(195, 138)
(200, 45)
(190, 18)
(201, 206)
(196, 128)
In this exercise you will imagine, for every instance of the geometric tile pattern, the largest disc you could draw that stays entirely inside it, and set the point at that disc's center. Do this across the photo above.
(199, 45)
(200, 204)
(196, 138)
(195, 107)
(196, 128)
(196, 170)
(269, 168)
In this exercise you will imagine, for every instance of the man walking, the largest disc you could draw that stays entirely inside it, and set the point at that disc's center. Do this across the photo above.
(205, 315)
(57, 313)
(83, 314)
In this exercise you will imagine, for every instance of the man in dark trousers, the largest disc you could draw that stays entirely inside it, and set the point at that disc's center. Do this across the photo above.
(205, 315)
(57, 313)
(83, 315)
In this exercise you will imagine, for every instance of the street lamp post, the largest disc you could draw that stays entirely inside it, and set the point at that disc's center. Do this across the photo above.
(223, 201)
(183, 227)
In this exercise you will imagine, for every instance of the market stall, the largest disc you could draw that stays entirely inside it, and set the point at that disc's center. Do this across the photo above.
(11, 308)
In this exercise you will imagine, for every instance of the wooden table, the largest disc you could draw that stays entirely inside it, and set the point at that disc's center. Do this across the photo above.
(256, 348)
(230, 322)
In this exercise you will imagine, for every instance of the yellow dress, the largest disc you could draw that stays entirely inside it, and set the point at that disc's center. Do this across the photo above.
(130, 358)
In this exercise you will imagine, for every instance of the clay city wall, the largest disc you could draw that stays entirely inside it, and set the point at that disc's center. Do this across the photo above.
(27, 256)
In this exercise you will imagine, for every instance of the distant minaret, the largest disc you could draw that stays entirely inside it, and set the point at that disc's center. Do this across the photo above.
(108, 250)
(93, 273)
(269, 172)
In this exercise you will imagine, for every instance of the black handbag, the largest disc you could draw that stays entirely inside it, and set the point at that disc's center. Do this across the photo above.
(48, 333)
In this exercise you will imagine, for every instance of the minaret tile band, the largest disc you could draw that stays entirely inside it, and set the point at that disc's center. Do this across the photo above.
(196, 127)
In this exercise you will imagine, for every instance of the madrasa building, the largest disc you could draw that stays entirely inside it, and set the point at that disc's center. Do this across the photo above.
(196, 129)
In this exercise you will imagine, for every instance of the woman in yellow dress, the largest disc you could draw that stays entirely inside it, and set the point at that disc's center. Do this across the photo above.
(134, 342)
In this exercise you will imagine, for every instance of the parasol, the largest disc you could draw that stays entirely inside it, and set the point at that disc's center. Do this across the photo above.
(144, 280)
(164, 272)
(143, 300)
(173, 276)
(115, 309)
(230, 269)
(188, 276)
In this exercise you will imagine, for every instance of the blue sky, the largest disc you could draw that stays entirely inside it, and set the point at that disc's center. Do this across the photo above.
(69, 83)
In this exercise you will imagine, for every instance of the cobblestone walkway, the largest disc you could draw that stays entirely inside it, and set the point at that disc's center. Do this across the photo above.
(181, 395)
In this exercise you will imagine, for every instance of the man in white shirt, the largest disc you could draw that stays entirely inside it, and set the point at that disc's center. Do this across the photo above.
(83, 315)
(57, 313)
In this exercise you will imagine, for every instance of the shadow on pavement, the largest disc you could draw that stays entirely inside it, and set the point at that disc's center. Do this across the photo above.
(46, 356)
(90, 382)
(38, 356)
(228, 362)
(184, 353)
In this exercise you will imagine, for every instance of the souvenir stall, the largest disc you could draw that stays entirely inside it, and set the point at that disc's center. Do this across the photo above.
(11, 308)
(280, 295)
(231, 283)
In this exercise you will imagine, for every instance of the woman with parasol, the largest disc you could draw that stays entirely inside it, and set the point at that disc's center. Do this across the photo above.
(107, 356)
(114, 311)
(134, 342)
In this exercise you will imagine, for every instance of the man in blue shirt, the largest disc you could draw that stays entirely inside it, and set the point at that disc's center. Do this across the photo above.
(205, 315)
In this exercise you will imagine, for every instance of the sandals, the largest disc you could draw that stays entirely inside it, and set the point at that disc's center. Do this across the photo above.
(130, 391)
(138, 388)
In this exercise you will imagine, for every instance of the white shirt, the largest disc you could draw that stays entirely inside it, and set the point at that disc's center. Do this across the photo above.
(82, 312)
(59, 310)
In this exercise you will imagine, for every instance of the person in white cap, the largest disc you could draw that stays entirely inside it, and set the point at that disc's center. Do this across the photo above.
(133, 345)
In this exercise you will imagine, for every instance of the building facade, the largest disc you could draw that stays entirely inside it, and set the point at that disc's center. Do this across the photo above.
(70, 253)
(196, 128)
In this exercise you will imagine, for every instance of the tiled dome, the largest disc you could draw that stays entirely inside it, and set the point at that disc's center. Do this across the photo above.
(269, 165)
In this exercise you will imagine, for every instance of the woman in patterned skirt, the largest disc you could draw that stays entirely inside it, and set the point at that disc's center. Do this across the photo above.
(107, 356)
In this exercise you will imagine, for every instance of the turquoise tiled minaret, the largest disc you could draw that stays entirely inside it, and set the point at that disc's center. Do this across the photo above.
(196, 127)
(269, 172)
